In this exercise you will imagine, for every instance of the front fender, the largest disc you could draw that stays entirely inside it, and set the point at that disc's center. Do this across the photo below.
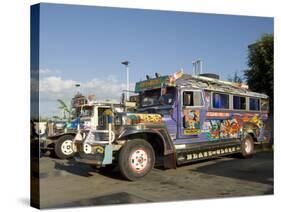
(161, 132)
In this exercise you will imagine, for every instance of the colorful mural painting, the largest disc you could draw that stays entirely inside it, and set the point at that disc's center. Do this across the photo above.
(217, 114)
(230, 127)
(135, 118)
(256, 120)
(253, 118)
(212, 129)
(191, 122)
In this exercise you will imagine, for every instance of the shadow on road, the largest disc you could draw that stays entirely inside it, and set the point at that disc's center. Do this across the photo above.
(74, 168)
(110, 199)
(259, 168)
(84, 170)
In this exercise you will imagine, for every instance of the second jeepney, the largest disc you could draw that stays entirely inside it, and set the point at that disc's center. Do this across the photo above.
(180, 118)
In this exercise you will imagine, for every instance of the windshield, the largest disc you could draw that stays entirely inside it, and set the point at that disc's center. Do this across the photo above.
(86, 111)
(82, 111)
(154, 98)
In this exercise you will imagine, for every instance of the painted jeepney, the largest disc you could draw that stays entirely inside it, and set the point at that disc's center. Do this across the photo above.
(85, 114)
(180, 118)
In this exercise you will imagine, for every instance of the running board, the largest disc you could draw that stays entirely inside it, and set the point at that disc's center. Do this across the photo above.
(202, 151)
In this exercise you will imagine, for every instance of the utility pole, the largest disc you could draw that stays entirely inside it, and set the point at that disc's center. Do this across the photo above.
(126, 64)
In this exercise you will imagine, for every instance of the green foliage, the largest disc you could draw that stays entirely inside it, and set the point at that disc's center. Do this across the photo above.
(259, 76)
(56, 117)
(64, 109)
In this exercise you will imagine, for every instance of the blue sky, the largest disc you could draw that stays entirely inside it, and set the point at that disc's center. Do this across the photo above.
(86, 44)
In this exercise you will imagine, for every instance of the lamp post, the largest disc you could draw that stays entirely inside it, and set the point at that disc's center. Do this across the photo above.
(126, 64)
(77, 87)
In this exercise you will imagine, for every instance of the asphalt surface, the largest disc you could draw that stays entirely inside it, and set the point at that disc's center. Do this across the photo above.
(64, 183)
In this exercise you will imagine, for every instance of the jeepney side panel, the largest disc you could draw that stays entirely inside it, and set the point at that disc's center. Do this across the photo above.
(232, 124)
(188, 135)
(219, 124)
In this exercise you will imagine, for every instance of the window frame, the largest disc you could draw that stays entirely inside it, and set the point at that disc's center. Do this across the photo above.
(229, 100)
(268, 106)
(192, 90)
(246, 102)
(249, 103)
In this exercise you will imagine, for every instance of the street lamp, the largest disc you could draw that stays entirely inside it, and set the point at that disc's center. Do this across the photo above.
(126, 64)
(77, 87)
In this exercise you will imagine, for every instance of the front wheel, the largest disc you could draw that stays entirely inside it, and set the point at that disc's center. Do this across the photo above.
(247, 147)
(63, 147)
(136, 159)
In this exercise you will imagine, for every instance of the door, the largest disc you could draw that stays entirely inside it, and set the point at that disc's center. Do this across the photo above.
(191, 115)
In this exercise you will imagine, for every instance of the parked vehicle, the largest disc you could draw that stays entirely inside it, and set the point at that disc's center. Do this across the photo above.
(180, 119)
(86, 115)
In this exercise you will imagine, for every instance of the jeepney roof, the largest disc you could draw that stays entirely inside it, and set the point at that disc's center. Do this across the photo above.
(181, 79)
(211, 84)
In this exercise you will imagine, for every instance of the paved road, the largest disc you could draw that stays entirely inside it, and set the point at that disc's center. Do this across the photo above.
(65, 183)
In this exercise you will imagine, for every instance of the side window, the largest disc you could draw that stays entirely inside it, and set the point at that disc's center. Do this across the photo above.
(192, 98)
(264, 105)
(239, 103)
(220, 100)
(254, 104)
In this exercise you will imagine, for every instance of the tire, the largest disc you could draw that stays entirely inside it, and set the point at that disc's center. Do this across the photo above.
(247, 147)
(63, 148)
(135, 149)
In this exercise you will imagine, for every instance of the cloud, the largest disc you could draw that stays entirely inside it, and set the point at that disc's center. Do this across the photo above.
(52, 88)
(54, 84)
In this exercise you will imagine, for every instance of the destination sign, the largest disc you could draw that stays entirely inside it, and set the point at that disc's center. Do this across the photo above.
(154, 83)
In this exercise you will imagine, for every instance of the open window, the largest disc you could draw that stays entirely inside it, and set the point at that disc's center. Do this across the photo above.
(264, 104)
(192, 98)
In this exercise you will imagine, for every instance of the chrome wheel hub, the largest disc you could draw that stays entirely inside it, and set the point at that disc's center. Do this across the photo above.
(248, 146)
(66, 147)
(138, 160)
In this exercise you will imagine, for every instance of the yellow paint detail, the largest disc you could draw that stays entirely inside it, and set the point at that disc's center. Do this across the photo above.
(256, 120)
(191, 131)
(108, 112)
(98, 149)
(144, 118)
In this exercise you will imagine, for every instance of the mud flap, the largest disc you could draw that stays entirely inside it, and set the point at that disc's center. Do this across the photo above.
(170, 161)
(107, 159)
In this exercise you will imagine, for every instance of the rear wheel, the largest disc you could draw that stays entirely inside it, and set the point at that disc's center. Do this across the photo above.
(63, 147)
(136, 159)
(247, 147)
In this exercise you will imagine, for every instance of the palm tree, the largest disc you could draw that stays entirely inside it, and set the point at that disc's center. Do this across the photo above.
(64, 108)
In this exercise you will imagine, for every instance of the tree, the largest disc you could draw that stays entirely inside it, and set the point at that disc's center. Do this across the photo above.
(259, 76)
(235, 78)
(64, 108)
